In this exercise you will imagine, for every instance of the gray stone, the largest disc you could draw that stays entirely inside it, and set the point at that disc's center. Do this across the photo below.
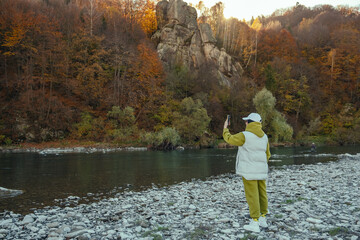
(75, 233)
(66, 229)
(6, 223)
(34, 229)
(224, 220)
(236, 225)
(53, 234)
(27, 219)
(313, 220)
(124, 235)
(42, 232)
(226, 231)
(41, 218)
(192, 207)
(52, 225)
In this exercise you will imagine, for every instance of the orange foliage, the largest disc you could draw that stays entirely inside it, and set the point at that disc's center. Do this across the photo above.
(273, 44)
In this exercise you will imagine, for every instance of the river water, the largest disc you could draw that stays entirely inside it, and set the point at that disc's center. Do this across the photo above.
(45, 179)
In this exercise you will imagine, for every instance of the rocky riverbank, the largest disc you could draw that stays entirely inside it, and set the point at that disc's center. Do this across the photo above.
(320, 201)
(61, 150)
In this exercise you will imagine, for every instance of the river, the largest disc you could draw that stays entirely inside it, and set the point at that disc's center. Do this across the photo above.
(45, 179)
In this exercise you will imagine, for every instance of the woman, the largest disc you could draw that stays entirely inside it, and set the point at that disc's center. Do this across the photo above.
(252, 164)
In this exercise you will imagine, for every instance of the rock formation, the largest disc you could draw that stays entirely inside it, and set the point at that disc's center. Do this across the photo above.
(179, 40)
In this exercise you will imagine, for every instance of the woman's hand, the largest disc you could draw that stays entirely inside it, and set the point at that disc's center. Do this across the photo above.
(226, 124)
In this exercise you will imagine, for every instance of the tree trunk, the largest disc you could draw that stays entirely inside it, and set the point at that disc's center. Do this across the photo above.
(256, 43)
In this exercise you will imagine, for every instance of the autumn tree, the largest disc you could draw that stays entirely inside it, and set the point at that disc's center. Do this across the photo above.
(87, 68)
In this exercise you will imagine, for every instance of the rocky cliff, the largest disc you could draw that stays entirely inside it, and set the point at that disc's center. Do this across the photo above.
(180, 40)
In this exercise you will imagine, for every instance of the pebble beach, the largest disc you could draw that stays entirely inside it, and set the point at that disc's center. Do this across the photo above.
(317, 201)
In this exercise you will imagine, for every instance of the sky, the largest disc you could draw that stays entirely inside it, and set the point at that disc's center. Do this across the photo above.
(245, 9)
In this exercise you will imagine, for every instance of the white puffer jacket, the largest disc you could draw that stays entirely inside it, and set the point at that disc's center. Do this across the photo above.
(251, 160)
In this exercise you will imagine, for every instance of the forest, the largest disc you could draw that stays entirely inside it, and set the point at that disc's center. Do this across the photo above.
(87, 70)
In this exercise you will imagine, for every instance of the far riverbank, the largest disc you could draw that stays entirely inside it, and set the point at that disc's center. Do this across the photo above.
(92, 147)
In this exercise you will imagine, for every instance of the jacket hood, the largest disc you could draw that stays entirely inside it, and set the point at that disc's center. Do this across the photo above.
(255, 128)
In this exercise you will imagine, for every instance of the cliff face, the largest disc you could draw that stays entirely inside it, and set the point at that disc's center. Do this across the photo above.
(180, 40)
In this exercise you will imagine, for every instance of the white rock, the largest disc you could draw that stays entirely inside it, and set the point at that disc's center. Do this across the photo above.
(236, 225)
(41, 218)
(27, 219)
(124, 235)
(5, 223)
(127, 206)
(70, 214)
(226, 231)
(34, 229)
(75, 234)
(52, 225)
(53, 234)
(313, 220)
(294, 216)
(42, 232)
(224, 220)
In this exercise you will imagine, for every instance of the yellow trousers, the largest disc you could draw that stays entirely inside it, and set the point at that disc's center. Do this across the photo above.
(256, 197)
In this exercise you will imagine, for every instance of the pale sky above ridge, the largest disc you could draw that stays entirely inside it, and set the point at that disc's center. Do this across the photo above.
(242, 9)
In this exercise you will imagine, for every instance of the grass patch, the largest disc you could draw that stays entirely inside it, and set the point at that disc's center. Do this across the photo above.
(248, 236)
(201, 232)
(154, 233)
(338, 230)
(356, 210)
(314, 229)
(290, 201)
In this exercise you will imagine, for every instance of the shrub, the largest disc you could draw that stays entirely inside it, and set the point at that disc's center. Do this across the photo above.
(8, 141)
(347, 135)
(281, 131)
(121, 124)
(121, 118)
(192, 120)
(5, 140)
(314, 126)
(168, 138)
(89, 128)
